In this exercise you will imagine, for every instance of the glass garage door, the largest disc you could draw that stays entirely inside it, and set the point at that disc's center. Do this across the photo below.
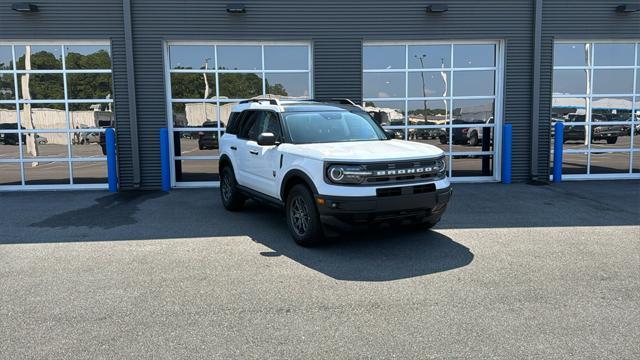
(596, 95)
(445, 94)
(55, 101)
(205, 80)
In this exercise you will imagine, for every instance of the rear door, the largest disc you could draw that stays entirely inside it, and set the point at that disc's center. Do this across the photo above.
(239, 147)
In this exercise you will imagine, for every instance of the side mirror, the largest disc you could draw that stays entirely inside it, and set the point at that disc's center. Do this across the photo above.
(267, 139)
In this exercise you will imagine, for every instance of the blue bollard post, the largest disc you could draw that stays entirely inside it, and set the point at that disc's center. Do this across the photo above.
(506, 153)
(557, 152)
(164, 159)
(112, 170)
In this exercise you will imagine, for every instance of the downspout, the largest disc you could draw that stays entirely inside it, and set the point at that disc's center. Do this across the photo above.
(535, 108)
(131, 89)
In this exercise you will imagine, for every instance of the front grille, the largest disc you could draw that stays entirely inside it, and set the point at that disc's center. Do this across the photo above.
(401, 171)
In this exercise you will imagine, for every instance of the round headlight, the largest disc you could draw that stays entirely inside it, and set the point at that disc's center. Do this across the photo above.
(336, 173)
(347, 174)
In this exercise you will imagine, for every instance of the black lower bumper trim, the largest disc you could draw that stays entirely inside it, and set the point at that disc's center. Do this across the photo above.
(381, 208)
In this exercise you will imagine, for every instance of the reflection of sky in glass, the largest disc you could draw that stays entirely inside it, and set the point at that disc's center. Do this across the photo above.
(569, 55)
(434, 84)
(383, 57)
(433, 56)
(476, 55)
(383, 85)
(613, 81)
(473, 83)
(613, 54)
(6, 58)
(286, 57)
(239, 57)
(569, 82)
(191, 56)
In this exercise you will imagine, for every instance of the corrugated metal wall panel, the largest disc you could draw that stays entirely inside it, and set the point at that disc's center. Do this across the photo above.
(337, 29)
(331, 81)
(73, 20)
(576, 20)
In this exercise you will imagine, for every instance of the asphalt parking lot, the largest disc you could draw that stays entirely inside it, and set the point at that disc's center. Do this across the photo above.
(512, 271)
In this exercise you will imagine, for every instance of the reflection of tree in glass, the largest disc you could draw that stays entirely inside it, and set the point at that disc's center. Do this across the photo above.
(240, 86)
(80, 86)
(97, 60)
(276, 89)
(41, 60)
(89, 86)
(6, 86)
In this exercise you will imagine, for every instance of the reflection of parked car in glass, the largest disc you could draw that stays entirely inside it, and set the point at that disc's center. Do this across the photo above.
(474, 134)
(10, 138)
(41, 140)
(464, 135)
(383, 119)
(609, 133)
(208, 140)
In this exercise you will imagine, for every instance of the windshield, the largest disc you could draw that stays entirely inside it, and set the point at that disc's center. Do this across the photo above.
(331, 126)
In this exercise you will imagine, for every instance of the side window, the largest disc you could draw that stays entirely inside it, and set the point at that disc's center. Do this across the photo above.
(247, 120)
(266, 121)
(232, 127)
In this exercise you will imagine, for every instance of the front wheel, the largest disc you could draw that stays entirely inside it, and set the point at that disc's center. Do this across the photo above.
(612, 140)
(231, 197)
(473, 139)
(303, 218)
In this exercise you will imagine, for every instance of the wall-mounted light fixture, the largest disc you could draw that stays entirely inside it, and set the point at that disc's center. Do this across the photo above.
(437, 8)
(24, 7)
(236, 9)
(628, 8)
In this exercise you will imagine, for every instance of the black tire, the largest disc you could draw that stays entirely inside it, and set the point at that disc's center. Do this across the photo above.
(612, 140)
(231, 197)
(303, 218)
(443, 139)
(473, 139)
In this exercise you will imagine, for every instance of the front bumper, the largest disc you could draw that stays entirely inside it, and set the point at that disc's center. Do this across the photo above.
(407, 202)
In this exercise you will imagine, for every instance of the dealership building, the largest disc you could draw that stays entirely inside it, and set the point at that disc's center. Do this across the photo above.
(448, 73)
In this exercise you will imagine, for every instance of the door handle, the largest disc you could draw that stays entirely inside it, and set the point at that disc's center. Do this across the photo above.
(234, 148)
(253, 152)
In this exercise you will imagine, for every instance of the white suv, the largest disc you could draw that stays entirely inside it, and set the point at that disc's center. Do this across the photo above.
(328, 164)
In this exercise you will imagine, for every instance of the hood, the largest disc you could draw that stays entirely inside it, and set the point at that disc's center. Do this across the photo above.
(365, 151)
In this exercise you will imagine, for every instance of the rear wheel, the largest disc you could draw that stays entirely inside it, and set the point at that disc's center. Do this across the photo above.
(231, 197)
(612, 140)
(443, 139)
(303, 218)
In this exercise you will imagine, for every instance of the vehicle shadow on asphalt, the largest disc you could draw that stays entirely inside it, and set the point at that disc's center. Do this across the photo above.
(373, 254)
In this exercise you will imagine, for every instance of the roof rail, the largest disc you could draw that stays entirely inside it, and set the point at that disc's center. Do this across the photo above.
(342, 101)
(271, 101)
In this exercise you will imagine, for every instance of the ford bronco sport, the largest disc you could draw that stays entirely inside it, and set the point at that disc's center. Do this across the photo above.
(327, 165)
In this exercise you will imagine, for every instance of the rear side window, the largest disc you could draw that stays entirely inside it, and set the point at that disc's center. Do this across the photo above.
(232, 128)
(247, 120)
